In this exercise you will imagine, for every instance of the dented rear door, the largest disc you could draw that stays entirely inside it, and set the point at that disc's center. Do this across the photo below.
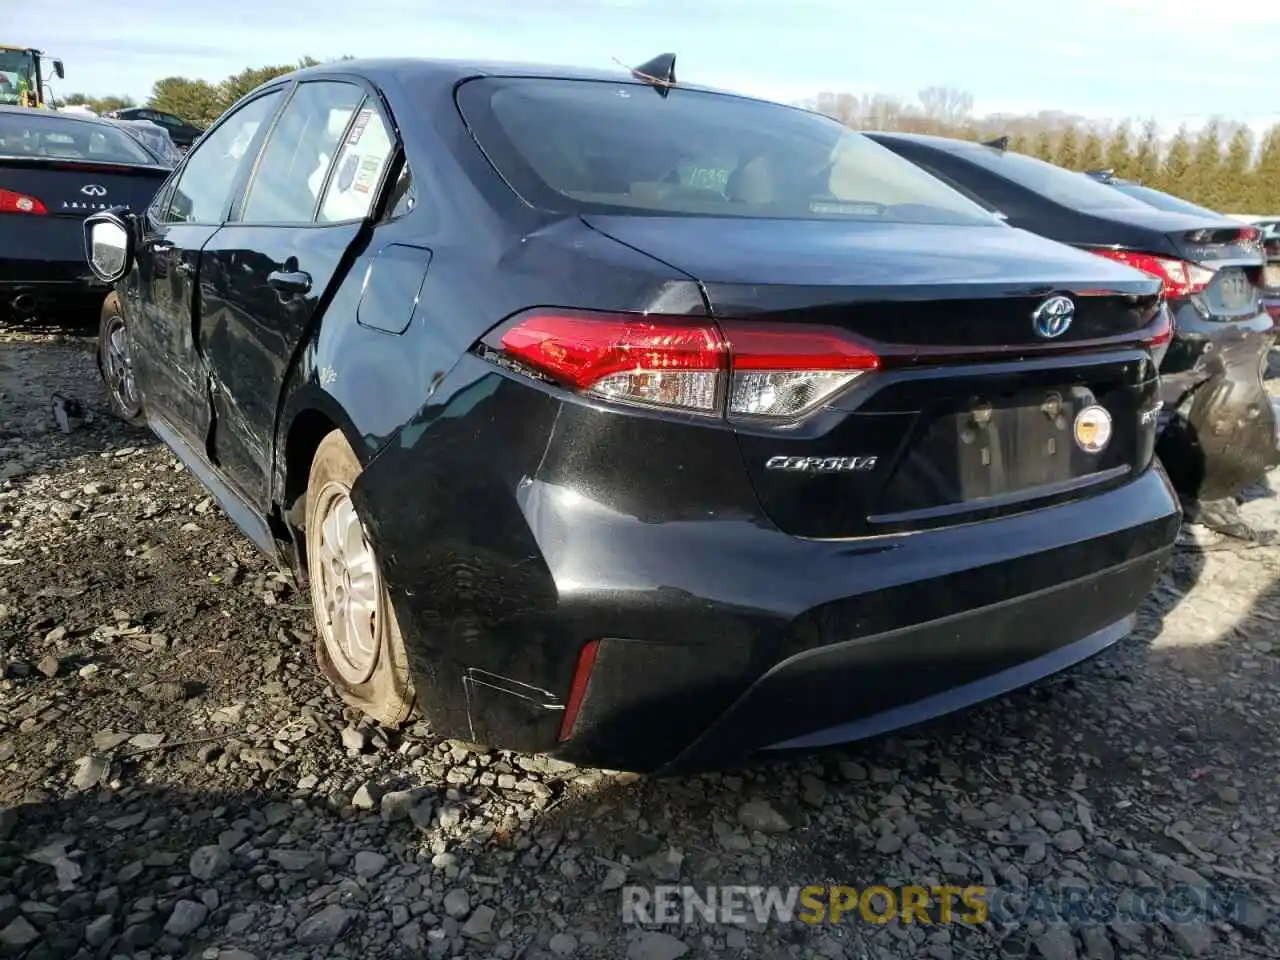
(269, 274)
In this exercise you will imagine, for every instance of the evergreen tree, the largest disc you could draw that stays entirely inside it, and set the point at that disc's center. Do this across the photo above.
(1173, 177)
(1145, 163)
(1204, 174)
(1091, 157)
(1236, 184)
(1068, 152)
(1264, 198)
(1118, 157)
(1042, 146)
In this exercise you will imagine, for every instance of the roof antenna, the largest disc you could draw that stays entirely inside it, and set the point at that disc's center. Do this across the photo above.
(660, 72)
(999, 143)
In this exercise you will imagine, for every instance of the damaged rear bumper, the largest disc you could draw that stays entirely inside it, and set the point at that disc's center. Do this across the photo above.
(1220, 429)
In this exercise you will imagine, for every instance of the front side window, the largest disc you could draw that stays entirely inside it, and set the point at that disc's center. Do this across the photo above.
(286, 186)
(361, 163)
(205, 184)
(582, 146)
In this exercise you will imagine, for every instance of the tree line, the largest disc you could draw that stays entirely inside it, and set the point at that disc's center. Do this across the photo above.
(1221, 165)
(197, 101)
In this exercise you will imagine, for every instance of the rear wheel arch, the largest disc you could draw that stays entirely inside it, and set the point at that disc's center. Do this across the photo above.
(306, 430)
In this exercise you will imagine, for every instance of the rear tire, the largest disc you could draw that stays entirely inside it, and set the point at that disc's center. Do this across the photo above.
(359, 646)
(115, 363)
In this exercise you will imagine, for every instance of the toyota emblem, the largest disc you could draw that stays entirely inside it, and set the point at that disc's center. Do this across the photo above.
(1052, 317)
(94, 190)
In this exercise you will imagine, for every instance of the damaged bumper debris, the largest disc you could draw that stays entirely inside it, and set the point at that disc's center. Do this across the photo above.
(1221, 431)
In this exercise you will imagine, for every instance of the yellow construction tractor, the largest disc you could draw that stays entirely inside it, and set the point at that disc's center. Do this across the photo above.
(22, 83)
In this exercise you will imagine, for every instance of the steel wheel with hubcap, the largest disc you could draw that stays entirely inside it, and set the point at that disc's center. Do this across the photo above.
(345, 586)
(358, 642)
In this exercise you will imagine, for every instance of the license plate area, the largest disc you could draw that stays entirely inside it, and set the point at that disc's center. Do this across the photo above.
(1234, 290)
(1271, 276)
(1003, 448)
(981, 449)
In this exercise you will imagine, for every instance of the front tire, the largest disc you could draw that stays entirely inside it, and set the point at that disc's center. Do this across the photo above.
(115, 362)
(359, 646)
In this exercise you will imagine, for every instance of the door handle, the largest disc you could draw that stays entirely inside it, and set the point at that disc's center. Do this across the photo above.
(161, 246)
(289, 281)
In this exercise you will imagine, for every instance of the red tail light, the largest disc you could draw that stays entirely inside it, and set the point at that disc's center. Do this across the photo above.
(1162, 334)
(1181, 279)
(11, 202)
(698, 366)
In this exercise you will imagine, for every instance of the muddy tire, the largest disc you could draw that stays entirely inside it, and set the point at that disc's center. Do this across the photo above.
(115, 363)
(358, 643)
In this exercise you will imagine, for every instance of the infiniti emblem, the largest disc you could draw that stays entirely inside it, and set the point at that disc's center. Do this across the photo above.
(1052, 317)
(93, 190)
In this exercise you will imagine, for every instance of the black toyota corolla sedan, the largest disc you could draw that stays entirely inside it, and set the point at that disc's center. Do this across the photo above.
(55, 170)
(1218, 431)
(640, 424)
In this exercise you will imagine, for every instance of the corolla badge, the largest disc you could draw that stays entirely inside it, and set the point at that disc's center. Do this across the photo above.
(821, 464)
(1093, 429)
(1052, 317)
(94, 190)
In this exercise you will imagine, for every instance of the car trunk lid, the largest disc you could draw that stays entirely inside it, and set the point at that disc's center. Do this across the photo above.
(78, 188)
(1217, 261)
(973, 411)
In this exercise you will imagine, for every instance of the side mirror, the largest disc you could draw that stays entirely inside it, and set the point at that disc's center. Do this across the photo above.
(109, 244)
(57, 68)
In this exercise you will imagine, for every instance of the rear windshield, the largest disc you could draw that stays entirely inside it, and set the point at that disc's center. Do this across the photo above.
(32, 133)
(1160, 200)
(1076, 190)
(581, 146)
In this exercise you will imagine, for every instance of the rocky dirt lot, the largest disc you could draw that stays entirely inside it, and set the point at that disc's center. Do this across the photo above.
(176, 782)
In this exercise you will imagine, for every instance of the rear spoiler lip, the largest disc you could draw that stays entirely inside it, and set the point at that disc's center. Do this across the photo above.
(103, 166)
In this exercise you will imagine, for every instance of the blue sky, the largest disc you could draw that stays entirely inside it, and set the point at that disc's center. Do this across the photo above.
(1174, 60)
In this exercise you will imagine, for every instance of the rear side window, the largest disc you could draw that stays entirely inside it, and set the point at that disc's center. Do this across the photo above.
(580, 146)
(35, 134)
(361, 163)
(290, 175)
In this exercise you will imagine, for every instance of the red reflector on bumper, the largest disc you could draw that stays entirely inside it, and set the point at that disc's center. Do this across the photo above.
(578, 689)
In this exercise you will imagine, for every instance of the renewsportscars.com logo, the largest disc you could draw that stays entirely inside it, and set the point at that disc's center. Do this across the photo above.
(812, 904)
(934, 904)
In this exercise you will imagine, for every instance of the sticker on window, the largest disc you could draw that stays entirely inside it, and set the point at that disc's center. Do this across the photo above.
(347, 175)
(358, 170)
(367, 176)
(357, 128)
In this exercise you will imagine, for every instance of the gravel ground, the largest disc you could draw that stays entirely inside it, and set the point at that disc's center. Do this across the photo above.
(176, 782)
